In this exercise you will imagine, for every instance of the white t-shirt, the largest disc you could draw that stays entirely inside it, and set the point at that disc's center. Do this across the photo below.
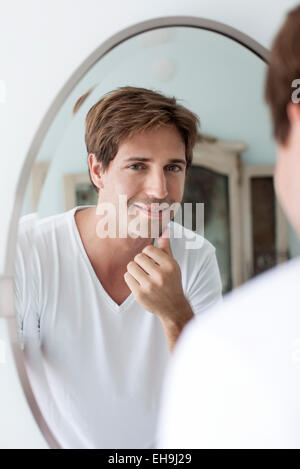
(234, 380)
(96, 367)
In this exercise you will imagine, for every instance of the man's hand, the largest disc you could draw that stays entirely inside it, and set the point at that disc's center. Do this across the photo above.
(154, 277)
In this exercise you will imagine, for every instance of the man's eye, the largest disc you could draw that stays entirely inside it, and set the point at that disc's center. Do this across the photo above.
(178, 168)
(175, 166)
(136, 164)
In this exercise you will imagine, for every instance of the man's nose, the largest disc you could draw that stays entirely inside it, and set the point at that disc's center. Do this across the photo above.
(157, 185)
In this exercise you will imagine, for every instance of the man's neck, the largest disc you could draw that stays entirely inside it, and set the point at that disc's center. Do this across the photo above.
(113, 253)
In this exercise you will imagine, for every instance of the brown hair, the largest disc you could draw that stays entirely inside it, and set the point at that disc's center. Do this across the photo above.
(126, 111)
(81, 100)
(284, 68)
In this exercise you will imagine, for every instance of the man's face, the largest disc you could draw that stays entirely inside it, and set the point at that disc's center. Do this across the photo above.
(157, 180)
(287, 171)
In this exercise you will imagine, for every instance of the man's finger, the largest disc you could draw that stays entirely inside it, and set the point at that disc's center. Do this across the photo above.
(132, 283)
(163, 241)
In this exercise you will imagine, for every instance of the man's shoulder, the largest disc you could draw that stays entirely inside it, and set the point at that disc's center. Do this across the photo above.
(277, 285)
(267, 302)
(261, 315)
(31, 221)
(246, 353)
(32, 229)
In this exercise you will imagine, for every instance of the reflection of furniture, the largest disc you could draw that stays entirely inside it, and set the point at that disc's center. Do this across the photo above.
(78, 190)
(223, 158)
(265, 227)
(240, 227)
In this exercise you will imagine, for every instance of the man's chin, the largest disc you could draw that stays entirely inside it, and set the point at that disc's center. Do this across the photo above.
(145, 226)
(148, 231)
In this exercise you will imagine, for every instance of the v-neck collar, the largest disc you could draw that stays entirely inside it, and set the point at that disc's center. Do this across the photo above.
(130, 299)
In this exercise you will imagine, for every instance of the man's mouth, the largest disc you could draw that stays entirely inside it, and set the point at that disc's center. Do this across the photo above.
(154, 212)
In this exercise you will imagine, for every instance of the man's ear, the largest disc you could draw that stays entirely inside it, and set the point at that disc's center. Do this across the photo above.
(293, 112)
(95, 170)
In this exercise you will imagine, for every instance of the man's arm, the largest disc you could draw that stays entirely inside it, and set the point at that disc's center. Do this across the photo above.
(154, 277)
(204, 292)
(25, 279)
(174, 325)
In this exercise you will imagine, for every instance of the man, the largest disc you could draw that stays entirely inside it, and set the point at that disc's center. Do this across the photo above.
(235, 378)
(104, 301)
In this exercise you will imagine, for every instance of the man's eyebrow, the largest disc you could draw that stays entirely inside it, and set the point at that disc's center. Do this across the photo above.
(171, 160)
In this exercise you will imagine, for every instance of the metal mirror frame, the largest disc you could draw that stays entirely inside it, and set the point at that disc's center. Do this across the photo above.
(101, 51)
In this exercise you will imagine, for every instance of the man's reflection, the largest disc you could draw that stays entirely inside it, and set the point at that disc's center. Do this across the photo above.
(107, 310)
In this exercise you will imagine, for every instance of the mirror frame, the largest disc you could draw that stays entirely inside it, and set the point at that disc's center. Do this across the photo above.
(113, 41)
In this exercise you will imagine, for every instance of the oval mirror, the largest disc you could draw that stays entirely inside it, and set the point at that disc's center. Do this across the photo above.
(96, 365)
